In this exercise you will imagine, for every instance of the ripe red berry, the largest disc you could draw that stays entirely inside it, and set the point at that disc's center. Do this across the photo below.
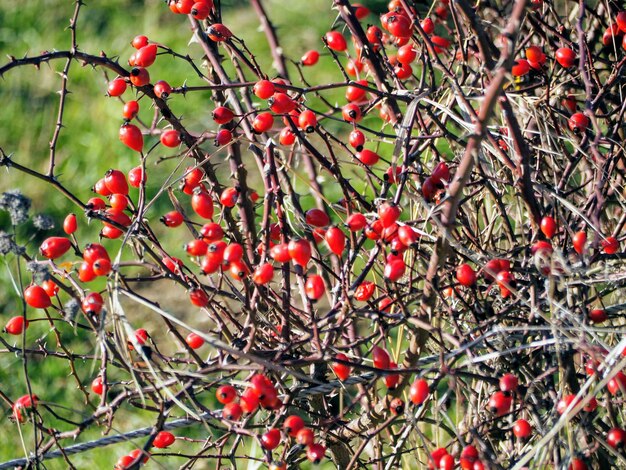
(117, 87)
(16, 325)
(616, 438)
(336, 240)
(598, 315)
(356, 222)
(135, 177)
(380, 357)
(92, 303)
(307, 121)
(97, 386)
(263, 89)
(286, 136)
(578, 123)
(300, 251)
(522, 429)
(305, 437)
(198, 297)
(316, 218)
(50, 287)
(263, 274)
(466, 275)
(314, 287)
(36, 297)
(579, 240)
(131, 136)
(226, 394)
(163, 440)
(293, 424)
(170, 138)
(398, 25)
(172, 219)
(394, 270)
(617, 384)
(520, 68)
(263, 122)
(201, 9)
(548, 226)
(271, 439)
(139, 76)
(101, 267)
(508, 383)
(428, 26)
(500, 403)
(336, 41)
(610, 245)
(388, 213)
(351, 112)
(202, 204)
(281, 103)
(194, 341)
(315, 453)
(566, 57)
(342, 371)
(55, 247)
(419, 391)
(219, 33)
(310, 58)
(368, 157)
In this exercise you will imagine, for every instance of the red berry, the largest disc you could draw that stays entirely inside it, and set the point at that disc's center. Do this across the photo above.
(522, 429)
(226, 394)
(336, 41)
(170, 138)
(263, 274)
(271, 439)
(310, 58)
(351, 112)
(97, 386)
(201, 10)
(194, 341)
(101, 267)
(131, 136)
(466, 275)
(300, 251)
(336, 240)
(419, 391)
(222, 115)
(263, 122)
(610, 245)
(55, 247)
(578, 123)
(117, 87)
(293, 424)
(162, 89)
(367, 157)
(342, 371)
(356, 222)
(579, 241)
(286, 136)
(508, 383)
(314, 287)
(617, 384)
(92, 303)
(16, 325)
(427, 25)
(219, 33)
(135, 177)
(500, 403)
(139, 76)
(315, 453)
(202, 204)
(146, 56)
(263, 89)
(616, 438)
(521, 68)
(163, 439)
(249, 400)
(566, 57)
(305, 437)
(598, 315)
(395, 269)
(36, 297)
(131, 108)
(388, 213)
(380, 357)
(198, 297)
(50, 287)
(172, 219)
(316, 218)
(229, 197)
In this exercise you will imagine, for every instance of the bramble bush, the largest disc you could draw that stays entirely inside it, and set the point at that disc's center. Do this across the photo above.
(414, 261)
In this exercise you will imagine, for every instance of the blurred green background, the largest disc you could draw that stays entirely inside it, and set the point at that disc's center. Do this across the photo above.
(89, 145)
